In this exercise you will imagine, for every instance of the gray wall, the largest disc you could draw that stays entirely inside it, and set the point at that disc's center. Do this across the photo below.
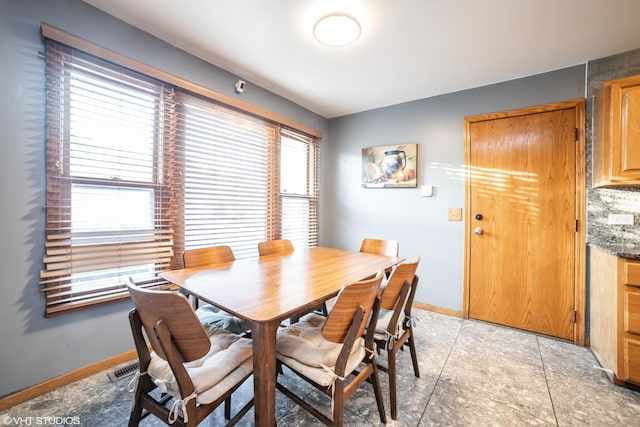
(420, 223)
(34, 348)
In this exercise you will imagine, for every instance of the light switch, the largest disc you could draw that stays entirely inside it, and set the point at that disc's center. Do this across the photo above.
(623, 219)
(454, 214)
(426, 190)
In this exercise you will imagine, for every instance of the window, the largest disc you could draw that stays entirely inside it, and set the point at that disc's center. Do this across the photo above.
(139, 169)
(231, 184)
(298, 189)
(226, 177)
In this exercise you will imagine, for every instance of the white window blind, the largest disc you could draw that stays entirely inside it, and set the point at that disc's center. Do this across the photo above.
(299, 162)
(227, 177)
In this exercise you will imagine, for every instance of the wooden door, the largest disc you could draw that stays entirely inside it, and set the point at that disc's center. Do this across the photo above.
(522, 220)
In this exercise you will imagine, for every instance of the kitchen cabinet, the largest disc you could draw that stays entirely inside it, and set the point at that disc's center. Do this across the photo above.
(616, 133)
(615, 315)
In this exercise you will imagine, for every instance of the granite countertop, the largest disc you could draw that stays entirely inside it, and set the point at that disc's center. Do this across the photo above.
(623, 251)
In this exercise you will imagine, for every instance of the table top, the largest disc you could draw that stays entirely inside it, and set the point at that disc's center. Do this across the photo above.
(274, 287)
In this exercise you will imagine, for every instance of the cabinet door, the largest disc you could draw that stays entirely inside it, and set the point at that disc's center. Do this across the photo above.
(631, 319)
(631, 361)
(625, 129)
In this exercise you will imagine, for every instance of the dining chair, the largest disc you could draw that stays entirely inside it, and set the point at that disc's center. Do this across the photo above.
(373, 246)
(192, 368)
(209, 314)
(393, 328)
(331, 354)
(208, 255)
(279, 246)
(380, 247)
(283, 247)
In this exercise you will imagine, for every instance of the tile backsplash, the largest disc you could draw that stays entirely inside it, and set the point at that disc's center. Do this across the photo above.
(617, 238)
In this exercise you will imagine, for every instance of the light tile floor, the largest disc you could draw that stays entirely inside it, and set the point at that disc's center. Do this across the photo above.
(472, 374)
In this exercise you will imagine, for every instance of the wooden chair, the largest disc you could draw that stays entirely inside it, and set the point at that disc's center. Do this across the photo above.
(271, 247)
(330, 352)
(380, 247)
(209, 314)
(193, 366)
(394, 328)
(284, 247)
(377, 247)
(209, 255)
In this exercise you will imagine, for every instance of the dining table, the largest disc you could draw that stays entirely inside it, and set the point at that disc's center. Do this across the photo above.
(267, 290)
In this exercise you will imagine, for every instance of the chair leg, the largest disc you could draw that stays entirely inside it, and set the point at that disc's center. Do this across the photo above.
(143, 387)
(191, 414)
(414, 354)
(136, 410)
(338, 405)
(227, 408)
(377, 390)
(391, 366)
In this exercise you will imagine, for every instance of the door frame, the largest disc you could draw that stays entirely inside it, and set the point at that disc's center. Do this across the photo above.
(580, 286)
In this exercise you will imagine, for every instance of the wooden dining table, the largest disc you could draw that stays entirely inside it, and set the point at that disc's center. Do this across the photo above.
(268, 290)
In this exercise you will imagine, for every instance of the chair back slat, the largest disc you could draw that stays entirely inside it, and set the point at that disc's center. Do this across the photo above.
(272, 247)
(175, 311)
(380, 247)
(352, 296)
(205, 256)
(404, 272)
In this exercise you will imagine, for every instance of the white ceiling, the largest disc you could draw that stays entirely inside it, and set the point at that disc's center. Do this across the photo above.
(409, 49)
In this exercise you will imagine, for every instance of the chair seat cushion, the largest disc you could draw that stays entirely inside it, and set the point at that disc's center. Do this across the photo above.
(210, 315)
(384, 318)
(302, 347)
(227, 363)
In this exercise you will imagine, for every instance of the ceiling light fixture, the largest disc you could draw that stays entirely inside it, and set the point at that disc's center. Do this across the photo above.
(337, 30)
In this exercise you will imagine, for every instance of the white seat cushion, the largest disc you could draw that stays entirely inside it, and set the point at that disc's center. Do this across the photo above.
(302, 347)
(384, 317)
(227, 362)
(210, 315)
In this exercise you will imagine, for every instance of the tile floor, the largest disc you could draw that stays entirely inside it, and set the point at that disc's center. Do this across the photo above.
(472, 374)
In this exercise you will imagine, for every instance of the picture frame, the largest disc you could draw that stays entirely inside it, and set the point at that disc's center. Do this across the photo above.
(390, 166)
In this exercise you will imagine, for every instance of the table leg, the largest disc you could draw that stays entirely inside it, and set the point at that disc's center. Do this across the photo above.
(264, 372)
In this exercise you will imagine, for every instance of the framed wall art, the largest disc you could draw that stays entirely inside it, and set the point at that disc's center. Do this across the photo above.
(390, 166)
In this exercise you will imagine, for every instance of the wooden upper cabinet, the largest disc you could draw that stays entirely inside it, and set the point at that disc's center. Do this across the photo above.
(616, 139)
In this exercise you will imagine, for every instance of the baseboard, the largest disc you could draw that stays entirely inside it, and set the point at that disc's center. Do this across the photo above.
(68, 378)
(440, 310)
(617, 381)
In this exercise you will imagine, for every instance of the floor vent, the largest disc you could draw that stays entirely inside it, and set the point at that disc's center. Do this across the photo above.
(124, 371)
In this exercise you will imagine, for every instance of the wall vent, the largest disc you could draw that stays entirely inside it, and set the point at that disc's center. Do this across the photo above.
(124, 371)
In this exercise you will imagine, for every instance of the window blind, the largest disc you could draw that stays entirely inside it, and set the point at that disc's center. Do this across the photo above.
(299, 165)
(226, 176)
(106, 195)
(138, 170)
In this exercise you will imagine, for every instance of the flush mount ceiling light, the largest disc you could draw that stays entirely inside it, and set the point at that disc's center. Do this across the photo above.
(337, 30)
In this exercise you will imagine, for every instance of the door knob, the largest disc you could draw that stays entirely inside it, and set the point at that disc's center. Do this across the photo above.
(478, 231)
(479, 217)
